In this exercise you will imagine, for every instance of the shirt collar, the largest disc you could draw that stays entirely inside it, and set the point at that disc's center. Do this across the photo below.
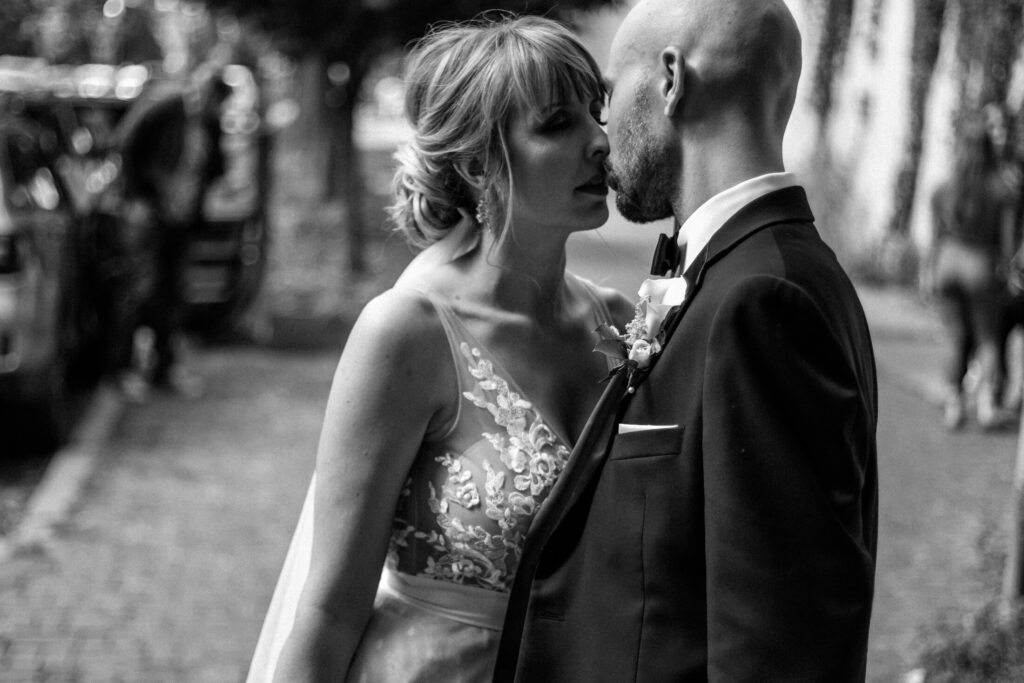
(703, 223)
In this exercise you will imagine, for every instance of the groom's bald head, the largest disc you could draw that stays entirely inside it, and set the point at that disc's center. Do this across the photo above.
(739, 52)
(700, 95)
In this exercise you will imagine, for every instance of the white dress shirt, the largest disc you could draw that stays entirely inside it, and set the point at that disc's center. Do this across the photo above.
(703, 223)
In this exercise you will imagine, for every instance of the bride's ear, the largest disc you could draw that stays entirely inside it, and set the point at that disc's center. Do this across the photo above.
(472, 172)
(673, 74)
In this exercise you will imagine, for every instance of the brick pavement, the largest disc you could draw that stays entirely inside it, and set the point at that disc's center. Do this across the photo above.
(165, 567)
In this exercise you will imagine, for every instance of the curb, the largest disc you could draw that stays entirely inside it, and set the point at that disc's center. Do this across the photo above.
(66, 475)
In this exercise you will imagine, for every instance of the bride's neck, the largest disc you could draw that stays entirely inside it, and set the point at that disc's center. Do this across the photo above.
(521, 277)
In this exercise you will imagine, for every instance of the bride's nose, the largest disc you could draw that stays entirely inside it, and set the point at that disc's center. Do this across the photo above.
(598, 146)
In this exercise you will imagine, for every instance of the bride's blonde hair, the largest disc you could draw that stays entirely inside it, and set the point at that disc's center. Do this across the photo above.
(464, 81)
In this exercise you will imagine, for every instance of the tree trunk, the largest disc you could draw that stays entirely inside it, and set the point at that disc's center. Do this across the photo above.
(832, 45)
(344, 180)
(310, 128)
(988, 43)
(929, 16)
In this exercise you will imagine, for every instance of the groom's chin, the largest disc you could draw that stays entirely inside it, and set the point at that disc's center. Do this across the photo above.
(634, 212)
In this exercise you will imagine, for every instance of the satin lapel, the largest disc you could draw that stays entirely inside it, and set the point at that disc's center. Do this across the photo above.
(584, 462)
(788, 205)
(694, 276)
(586, 454)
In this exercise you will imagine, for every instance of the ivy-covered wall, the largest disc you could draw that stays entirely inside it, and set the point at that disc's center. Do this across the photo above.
(885, 88)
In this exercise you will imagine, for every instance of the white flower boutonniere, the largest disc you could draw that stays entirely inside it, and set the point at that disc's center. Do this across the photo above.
(644, 339)
(642, 351)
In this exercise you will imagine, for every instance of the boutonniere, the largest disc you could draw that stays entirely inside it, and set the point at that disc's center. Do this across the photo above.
(634, 351)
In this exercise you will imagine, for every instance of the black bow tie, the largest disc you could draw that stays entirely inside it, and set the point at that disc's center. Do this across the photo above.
(667, 255)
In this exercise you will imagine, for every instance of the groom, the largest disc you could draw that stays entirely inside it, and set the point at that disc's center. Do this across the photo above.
(719, 524)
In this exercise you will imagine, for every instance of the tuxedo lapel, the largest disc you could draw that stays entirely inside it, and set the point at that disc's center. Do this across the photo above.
(788, 205)
(694, 275)
(586, 456)
(584, 462)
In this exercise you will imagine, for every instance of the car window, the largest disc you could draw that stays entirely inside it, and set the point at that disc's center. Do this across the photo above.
(33, 181)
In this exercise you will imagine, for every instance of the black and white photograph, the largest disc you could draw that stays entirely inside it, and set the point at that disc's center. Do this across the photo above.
(511, 341)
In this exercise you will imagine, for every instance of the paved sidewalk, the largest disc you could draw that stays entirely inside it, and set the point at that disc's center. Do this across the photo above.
(908, 339)
(164, 569)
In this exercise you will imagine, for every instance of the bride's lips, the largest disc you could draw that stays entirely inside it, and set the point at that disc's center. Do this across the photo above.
(598, 185)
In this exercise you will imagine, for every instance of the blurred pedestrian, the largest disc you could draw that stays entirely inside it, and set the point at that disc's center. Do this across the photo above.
(972, 212)
(170, 149)
(119, 273)
(1008, 140)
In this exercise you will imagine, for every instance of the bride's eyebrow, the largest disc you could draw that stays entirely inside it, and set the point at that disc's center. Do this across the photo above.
(607, 85)
(548, 109)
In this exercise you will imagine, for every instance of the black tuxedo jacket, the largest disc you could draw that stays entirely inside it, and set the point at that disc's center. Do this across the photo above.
(737, 542)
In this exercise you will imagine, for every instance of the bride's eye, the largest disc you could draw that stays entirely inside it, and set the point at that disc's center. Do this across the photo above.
(599, 110)
(557, 120)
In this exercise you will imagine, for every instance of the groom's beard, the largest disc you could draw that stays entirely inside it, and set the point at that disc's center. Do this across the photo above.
(641, 171)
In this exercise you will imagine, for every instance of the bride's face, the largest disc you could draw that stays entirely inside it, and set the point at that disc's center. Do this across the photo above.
(557, 164)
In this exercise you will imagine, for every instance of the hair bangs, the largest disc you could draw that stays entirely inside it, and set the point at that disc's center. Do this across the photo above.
(547, 68)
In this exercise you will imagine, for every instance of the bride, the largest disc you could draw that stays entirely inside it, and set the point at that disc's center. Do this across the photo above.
(461, 390)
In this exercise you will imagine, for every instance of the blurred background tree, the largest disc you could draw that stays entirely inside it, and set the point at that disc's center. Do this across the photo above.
(890, 84)
(988, 44)
(926, 38)
(14, 38)
(337, 44)
(80, 31)
(887, 84)
(987, 36)
(836, 19)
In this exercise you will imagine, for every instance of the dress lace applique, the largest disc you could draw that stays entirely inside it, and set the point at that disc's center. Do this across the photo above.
(508, 487)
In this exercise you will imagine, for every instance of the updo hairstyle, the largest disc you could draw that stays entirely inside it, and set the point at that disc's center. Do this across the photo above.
(464, 82)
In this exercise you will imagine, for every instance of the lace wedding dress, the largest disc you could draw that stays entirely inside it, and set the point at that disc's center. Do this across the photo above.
(457, 532)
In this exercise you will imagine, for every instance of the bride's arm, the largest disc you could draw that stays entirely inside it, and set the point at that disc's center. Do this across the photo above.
(395, 380)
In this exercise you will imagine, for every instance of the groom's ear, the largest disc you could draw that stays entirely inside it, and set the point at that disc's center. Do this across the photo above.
(673, 73)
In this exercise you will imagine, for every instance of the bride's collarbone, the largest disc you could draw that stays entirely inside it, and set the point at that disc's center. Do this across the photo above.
(559, 348)
(550, 369)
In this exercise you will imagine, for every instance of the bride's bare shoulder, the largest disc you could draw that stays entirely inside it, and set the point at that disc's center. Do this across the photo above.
(620, 307)
(400, 341)
(403, 314)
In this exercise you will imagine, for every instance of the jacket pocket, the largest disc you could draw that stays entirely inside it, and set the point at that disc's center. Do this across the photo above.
(647, 443)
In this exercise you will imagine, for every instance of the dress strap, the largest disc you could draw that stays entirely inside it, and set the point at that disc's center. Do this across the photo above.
(601, 313)
(456, 336)
(600, 310)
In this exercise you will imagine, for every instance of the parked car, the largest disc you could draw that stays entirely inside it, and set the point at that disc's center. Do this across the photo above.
(63, 219)
(46, 316)
(227, 248)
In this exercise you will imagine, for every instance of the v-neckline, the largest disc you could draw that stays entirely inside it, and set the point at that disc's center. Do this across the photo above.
(500, 370)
